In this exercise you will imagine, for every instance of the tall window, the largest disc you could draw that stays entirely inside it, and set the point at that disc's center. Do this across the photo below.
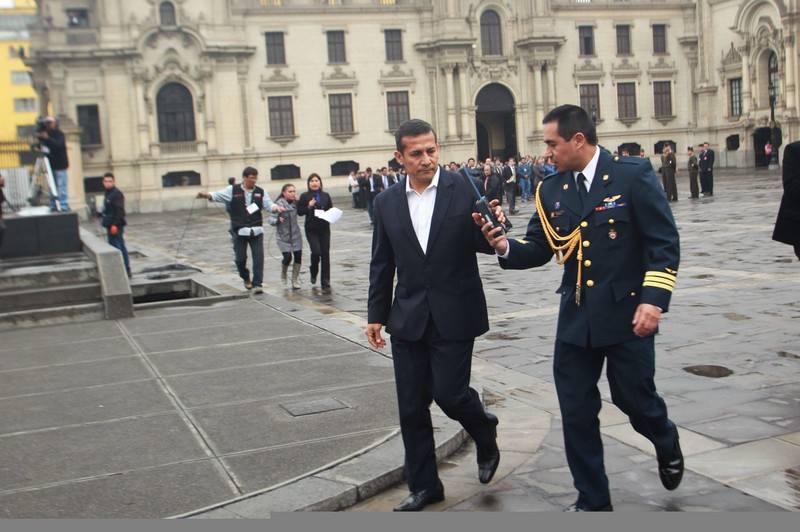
(491, 37)
(397, 105)
(623, 39)
(341, 113)
(281, 118)
(590, 100)
(78, 18)
(394, 45)
(175, 111)
(662, 97)
(736, 96)
(774, 77)
(336, 47)
(586, 39)
(166, 13)
(276, 53)
(89, 121)
(626, 100)
(659, 38)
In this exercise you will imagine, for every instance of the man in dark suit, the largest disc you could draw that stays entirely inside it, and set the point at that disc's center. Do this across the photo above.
(374, 187)
(424, 232)
(509, 174)
(787, 226)
(619, 246)
(706, 162)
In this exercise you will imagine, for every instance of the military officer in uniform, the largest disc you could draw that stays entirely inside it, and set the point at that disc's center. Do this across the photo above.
(608, 222)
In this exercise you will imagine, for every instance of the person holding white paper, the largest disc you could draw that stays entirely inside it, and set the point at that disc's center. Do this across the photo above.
(246, 202)
(318, 230)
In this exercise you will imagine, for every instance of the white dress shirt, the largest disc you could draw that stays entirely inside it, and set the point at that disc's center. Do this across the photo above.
(420, 206)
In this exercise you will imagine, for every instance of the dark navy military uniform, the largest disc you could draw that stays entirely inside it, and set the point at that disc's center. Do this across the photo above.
(630, 253)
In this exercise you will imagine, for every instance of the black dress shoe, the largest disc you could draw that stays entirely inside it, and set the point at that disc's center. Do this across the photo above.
(488, 456)
(670, 468)
(420, 499)
(580, 508)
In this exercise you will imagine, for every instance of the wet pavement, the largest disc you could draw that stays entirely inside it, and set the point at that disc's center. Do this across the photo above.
(728, 360)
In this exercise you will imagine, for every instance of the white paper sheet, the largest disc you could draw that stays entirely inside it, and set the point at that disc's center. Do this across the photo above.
(331, 216)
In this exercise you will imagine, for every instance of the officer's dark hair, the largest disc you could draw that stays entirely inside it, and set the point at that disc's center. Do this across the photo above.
(571, 120)
(249, 171)
(412, 128)
(690, 148)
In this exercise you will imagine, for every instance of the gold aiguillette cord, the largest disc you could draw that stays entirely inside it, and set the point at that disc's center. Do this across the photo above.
(560, 243)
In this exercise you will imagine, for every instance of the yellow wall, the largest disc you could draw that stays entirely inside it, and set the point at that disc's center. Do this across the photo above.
(8, 64)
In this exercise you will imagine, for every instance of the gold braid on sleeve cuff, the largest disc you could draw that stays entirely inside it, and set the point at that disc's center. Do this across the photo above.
(664, 280)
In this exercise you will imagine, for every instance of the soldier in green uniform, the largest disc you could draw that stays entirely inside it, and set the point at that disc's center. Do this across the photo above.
(694, 169)
(607, 220)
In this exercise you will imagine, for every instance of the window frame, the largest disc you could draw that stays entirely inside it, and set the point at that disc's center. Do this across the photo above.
(624, 39)
(281, 117)
(397, 111)
(660, 39)
(89, 121)
(337, 52)
(167, 131)
(491, 33)
(626, 101)
(275, 48)
(586, 41)
(393, 39)
(340, 110)
(589, 94)
(662, 99)
(736, 100)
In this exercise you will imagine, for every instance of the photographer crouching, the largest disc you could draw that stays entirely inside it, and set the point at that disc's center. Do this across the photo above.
(53, 144)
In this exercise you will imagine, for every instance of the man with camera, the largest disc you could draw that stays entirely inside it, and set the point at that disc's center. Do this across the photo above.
(54, 145)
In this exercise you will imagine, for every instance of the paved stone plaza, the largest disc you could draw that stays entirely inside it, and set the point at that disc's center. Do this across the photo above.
(183, 408)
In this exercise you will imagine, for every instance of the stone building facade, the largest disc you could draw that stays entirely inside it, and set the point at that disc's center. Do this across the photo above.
(176, 96)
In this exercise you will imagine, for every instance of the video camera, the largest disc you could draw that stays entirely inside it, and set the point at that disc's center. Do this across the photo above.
(41, 124)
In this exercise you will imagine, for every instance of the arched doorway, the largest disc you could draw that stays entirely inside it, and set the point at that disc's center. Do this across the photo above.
(760, 138)
(496, 123)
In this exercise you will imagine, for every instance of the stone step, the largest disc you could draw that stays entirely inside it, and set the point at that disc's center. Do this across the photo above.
(52, 316)
(39, 272)
(50, 296)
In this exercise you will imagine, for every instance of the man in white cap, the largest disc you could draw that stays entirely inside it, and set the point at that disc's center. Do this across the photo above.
(53, 138)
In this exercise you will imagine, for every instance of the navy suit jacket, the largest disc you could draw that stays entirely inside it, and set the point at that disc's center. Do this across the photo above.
(630, 248)
(444, 283)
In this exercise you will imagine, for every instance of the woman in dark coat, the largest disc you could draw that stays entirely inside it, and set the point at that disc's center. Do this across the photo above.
(787, 226)
(318, 231)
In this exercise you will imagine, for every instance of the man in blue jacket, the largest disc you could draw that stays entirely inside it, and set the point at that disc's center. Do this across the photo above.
(607, 220)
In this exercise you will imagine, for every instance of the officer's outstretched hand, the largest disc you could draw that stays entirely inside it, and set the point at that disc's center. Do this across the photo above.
(495, 236)
(645, 320)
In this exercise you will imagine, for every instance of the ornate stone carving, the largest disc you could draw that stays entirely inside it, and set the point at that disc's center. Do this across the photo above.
(732, 57)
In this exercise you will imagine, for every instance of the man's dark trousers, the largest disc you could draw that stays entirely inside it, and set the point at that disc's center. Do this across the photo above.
(256, 244)
(433, 368)
(630, 371)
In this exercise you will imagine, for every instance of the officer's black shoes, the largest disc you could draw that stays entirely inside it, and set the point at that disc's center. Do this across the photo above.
(420, 499)
(670, 468)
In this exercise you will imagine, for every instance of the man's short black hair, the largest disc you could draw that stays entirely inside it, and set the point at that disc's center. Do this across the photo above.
(412, 128)
(572, 119)
(249, 171)
(109, 174)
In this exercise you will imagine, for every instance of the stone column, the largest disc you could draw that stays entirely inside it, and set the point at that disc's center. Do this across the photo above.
(451, 101)
(551, 84)
(790, 52)
(143, 110)
(536, 103)
(466, 122)
(746, 91)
